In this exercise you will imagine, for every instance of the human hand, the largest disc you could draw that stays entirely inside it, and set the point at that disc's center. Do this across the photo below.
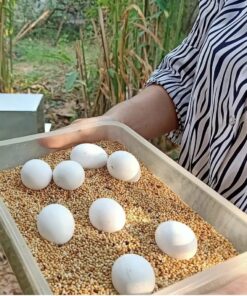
(150, 113)
(78, 132)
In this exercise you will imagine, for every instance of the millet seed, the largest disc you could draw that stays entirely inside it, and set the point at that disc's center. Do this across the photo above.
(83, 265)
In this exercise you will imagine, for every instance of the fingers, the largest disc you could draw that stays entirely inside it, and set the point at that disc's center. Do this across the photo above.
(63, 138)
(80, 131)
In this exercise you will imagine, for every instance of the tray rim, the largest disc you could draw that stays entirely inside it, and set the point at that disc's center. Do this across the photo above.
(22, 252)
(217, 197)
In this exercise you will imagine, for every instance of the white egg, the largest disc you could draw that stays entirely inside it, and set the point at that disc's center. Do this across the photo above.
(90, 156)
(176, 240)
(133, 274)
(36, 174)
(68, 175)
(123, 165)
(56, 224)
(107, 215)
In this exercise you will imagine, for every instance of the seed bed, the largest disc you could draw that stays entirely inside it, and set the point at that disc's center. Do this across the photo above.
(83, 265)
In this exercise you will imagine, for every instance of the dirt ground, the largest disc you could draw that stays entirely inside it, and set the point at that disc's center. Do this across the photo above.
(61, 107)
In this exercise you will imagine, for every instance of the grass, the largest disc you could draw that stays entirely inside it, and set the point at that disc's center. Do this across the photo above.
(42, 52)
(39, 67)
(38, 61)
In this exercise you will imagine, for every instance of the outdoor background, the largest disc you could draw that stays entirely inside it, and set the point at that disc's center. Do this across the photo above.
(87, 55)
(84, 56)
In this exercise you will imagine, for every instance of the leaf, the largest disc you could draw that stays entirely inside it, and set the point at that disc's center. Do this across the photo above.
(166, 13)
(59, 57)
(162, 4)
(155, 15)
(111, 72)
(65, 58)
(70, 81)
(81, 82)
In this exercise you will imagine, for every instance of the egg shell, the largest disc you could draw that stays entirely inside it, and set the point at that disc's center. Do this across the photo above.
(107, 215)
(90, 156)
(133, 274)
(36, 174)
(176, 240)
(56, 224)
(69, 175)
(124, 166)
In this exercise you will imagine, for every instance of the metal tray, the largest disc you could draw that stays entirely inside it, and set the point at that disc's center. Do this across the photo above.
(225, 217)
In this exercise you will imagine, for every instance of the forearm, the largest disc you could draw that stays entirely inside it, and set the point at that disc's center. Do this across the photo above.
(151, 113)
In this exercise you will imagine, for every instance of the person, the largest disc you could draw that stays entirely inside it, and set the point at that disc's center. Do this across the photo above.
(198, 97)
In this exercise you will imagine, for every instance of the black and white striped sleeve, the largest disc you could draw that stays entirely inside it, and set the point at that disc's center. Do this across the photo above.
(177, 70)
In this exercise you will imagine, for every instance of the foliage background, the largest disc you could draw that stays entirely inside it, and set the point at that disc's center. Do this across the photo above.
(87, 55)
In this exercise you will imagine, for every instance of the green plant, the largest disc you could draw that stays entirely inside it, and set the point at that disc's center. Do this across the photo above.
(41, 52)
(6, 33)
(134, 36)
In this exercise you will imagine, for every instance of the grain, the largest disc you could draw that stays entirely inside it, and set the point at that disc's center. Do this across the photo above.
(83, 265)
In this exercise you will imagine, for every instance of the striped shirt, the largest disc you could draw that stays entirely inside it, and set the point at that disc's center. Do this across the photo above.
(206, 77)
